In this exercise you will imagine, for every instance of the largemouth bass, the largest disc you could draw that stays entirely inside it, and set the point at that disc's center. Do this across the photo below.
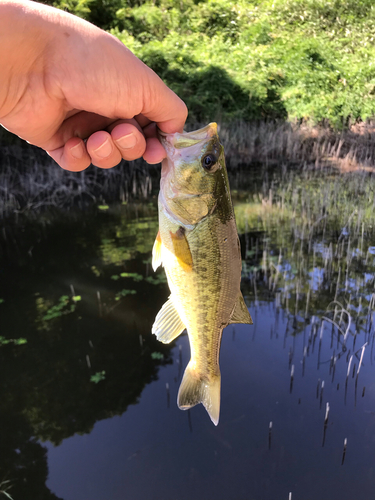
(198, 246)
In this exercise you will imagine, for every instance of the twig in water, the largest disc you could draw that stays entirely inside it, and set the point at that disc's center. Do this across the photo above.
(321, 395)
(344, 451)
(325, 423)
(269, 435)
(291, 379)
(168, 395)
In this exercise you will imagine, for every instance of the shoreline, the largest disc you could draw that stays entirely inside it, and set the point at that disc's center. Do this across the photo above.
(30, 181)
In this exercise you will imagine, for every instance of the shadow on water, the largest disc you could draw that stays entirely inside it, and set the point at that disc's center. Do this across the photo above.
(87, 357)
(82, 377)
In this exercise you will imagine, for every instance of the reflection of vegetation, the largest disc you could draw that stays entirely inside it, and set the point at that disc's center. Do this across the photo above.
(23, 461)
(307, 242)
(139, 236)
(5, 486)
(90, 366)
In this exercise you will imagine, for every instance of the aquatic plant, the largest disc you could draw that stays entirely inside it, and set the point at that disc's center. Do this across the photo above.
(5, 341)
(124, 292)
(98, 377)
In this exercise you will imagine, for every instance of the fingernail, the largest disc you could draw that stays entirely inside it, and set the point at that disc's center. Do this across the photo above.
(104, 150)
(77, 151)
(127, 141)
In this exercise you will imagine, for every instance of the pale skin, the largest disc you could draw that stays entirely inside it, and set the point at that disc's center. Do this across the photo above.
(77, 92)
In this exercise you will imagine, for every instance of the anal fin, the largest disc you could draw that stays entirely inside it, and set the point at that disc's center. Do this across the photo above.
(240, 312)
(168, 324)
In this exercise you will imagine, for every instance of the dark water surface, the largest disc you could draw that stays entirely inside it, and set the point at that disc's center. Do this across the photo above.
(88, 395)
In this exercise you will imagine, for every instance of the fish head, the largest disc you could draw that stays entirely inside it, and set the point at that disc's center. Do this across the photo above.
(193, 178)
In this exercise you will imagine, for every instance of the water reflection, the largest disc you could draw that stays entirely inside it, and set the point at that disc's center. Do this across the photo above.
(51, 388)
(94, 381)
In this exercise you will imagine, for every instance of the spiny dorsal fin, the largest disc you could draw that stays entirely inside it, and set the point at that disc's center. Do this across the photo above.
(156, 252)
(240, 312)
(193, 390)
(181, 249)
(168, 324)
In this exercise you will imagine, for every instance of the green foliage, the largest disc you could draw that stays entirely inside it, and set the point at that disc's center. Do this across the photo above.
(299, 59)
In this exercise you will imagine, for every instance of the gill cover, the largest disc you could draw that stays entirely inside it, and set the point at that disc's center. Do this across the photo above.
(190, 173)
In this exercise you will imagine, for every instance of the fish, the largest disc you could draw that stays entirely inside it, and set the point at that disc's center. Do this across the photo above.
(199, 247)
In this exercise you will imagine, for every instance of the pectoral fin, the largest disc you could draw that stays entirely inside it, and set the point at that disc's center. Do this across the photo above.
(156, 252)
(181, 249)
(168, 324)
(240, 312)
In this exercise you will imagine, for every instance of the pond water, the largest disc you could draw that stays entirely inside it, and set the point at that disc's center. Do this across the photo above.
(88, 395)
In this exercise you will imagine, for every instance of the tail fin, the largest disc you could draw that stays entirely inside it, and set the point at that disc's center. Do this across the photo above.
(193, 391)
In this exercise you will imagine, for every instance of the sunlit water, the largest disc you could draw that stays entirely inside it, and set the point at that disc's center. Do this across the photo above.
(89, 407)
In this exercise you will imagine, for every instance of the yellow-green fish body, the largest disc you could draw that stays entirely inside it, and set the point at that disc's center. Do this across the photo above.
(199, 248)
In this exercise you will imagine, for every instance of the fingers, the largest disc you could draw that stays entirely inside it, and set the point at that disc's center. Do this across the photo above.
(72, 156)
(129, 139)
(104, 149)
(155, 152)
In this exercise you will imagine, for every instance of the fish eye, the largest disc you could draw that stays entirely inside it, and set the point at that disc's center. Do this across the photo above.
(208, 161)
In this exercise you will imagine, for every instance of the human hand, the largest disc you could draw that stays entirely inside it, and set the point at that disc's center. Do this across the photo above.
(78, 92)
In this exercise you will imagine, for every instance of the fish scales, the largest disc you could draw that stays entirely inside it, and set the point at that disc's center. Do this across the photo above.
(199, 248)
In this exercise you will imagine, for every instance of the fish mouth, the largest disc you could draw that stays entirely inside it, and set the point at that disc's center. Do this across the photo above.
(186, 139)
(207, 131)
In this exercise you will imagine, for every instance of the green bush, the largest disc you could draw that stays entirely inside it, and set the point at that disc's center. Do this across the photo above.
(307, 60)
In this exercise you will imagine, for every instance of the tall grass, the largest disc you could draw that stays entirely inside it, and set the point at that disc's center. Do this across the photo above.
(31, 181)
